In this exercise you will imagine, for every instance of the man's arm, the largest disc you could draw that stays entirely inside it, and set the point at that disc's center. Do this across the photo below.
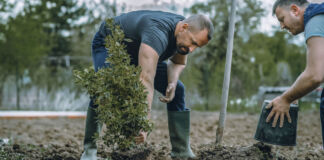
(310, 79)
(175, 66)
(313, 75)
(148, 59)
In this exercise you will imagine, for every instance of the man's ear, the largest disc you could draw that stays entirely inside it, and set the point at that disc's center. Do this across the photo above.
(294, 9)
(185, 26)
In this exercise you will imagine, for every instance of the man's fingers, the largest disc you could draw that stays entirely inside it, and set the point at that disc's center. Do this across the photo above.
(164, 99)
(282, 118)
(295, 101)
(169, 88)
(270, 116)
(274, 123)
(288, 117)
(269, 105)
(161, 99)
(139, 136)
(140, 139)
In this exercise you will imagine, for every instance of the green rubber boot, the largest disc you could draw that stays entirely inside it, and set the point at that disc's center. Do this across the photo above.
(179, 131)
(92, 127)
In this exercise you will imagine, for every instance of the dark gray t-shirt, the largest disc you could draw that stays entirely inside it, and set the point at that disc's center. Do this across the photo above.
(154, 28)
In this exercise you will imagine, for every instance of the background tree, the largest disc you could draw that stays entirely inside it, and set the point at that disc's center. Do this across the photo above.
(4, 8)
(62, 22)
(270, 52)
(210, 61)
(41, 29)
(23, 46)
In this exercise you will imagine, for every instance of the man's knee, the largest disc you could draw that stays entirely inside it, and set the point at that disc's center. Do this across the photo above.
(180, 90)
(178, 102)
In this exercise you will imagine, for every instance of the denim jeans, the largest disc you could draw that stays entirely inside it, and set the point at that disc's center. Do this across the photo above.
(99, 54)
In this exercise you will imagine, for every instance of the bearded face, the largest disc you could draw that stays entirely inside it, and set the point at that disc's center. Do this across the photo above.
(182, 49)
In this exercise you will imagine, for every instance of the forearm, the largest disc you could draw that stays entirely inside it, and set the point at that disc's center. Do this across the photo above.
(304, 84)
(174, 71)
(149, 85)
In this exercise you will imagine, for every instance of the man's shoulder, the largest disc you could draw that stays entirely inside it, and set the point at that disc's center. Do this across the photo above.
(153, 12)
(315, 27)
(148, 17)
(317, 18)
(150, 13)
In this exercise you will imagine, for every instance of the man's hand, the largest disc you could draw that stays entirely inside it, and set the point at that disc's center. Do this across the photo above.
(169, 93)
(141, 138)
(280, 108)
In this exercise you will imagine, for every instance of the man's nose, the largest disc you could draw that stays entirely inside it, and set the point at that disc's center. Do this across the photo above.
(282, 26)
(192, 48)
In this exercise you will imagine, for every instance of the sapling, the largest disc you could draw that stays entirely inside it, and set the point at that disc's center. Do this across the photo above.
(118, 92)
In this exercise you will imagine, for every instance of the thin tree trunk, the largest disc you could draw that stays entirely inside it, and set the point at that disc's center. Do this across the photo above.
(37, 98)
(207, 97)
(206, 85)
(17, 89)
(2, 83)
(207, 103)
(1, 93)
(227, 76)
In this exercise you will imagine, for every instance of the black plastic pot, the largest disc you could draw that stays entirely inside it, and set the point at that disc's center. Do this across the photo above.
(285, 136)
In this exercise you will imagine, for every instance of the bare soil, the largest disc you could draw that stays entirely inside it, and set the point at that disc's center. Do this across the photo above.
(62, 138)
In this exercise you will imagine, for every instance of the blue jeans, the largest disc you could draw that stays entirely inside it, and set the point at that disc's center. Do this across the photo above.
(322, 115)
(99, 54)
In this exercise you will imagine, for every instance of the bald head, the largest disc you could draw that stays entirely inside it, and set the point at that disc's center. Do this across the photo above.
(200, 22)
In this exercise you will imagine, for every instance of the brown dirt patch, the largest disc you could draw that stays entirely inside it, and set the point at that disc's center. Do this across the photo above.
(62, 138)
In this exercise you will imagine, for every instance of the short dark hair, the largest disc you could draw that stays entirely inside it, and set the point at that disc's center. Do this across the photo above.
(280, 3)
(200, 22)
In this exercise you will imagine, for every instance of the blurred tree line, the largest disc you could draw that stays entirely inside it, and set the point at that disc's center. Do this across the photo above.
(35, 40)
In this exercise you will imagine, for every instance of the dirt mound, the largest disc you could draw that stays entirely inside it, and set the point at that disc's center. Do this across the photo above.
(139, 153)
(206, 152)
(34, 152)
(256, 151)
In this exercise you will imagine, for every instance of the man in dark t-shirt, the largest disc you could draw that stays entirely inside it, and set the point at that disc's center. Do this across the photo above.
(155, 37)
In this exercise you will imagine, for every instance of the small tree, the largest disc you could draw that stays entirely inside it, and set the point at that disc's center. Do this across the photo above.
(118, 92)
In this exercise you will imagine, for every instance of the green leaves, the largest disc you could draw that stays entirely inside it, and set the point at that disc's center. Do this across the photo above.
(118, 92)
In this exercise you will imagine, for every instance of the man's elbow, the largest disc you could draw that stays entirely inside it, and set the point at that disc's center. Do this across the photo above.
(314, 76)
(317, 78)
